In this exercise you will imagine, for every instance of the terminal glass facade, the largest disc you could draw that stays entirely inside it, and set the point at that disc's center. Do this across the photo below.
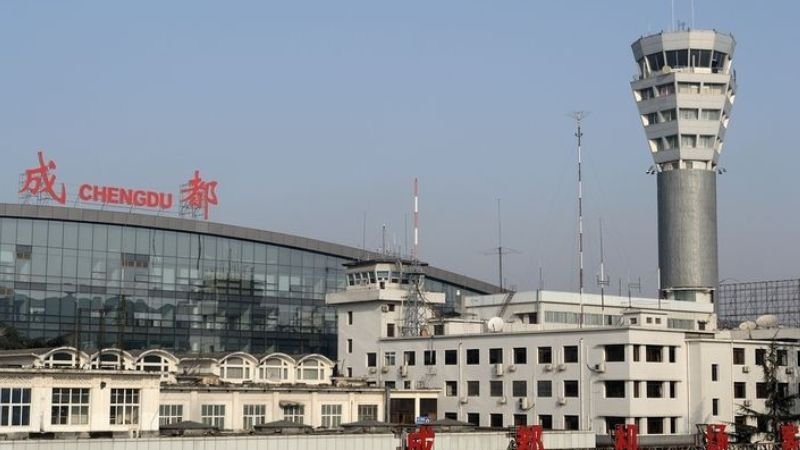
(101, 285)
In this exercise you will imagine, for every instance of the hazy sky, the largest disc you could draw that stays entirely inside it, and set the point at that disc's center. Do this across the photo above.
(311, 114)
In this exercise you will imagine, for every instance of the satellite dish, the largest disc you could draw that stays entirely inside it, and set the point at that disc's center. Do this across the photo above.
(495, 324)
(748, 326)
(767, 321)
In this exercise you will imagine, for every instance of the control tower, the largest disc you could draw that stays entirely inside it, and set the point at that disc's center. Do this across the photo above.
(685, 90)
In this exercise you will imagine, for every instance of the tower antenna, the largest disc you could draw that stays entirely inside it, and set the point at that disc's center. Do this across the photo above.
(579, 116)
(500, 251)
(415, 248)
(602, 279)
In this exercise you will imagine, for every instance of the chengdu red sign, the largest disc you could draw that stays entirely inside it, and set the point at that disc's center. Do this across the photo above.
(196, 195)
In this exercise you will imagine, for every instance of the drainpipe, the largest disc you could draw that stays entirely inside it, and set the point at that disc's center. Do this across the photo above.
(582, 386)
(460, 378)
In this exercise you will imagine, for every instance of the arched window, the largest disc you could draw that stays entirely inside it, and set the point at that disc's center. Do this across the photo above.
(311, 370)
(274, 370)
(108, 361)
(235, 368)
(153, 363)
(61, 359)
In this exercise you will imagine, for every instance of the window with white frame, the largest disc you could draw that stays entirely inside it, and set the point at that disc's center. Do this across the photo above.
(169, 414)
(15, 407)
(153, 363)
(124, 409)
(274, 370)
(69, 406)
(235, 368)
(108, 361)
(389, 359)
(294, 413)
(367, 412)
(60, 359)
(213, 415)
(331, 416)
(310, 369)
(253, 415)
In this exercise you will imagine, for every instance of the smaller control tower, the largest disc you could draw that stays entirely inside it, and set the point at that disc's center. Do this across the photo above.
(685, 90)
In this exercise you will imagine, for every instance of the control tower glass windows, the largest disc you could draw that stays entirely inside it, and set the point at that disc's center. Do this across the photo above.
(718, 61)
(665, 89)
(655, 61)
(700, 58)
(678, 58)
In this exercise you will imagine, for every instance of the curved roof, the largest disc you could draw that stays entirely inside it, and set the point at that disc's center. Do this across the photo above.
(223, 230)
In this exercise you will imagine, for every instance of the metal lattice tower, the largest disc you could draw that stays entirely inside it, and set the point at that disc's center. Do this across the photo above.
(739, 302)
(415, 308)
(684, 91)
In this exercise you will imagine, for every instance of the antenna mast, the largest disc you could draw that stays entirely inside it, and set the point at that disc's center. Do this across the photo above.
(602, 280)
(579, 116)
(415, 308)
(415, 248)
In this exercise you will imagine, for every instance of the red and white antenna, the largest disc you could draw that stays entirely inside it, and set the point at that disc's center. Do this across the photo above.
(415, 248)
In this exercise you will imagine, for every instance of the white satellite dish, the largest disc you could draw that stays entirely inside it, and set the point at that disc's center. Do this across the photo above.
(767, 321)
(748, 326)
(495, 324)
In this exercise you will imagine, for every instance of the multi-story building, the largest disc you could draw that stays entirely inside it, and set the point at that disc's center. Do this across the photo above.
(524, 357)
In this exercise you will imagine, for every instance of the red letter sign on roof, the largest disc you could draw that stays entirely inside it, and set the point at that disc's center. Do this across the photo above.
(199, 193)
(39, 180)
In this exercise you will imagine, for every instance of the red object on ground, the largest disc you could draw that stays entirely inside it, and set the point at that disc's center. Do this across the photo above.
(789, 436)
(716, 438)
(626, 437)
(421, 439)
(529, 438)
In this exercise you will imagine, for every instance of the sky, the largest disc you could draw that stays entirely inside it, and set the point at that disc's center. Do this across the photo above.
(314, 115)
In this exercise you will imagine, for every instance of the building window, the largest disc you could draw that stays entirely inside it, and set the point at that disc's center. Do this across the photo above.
(783, 358)
(124, 409)
(495, 356)
(636, 353)
(473, 388)
(545, 355)
(349, 317)
(389, 330)
(614, 353)
(496, 420)
(367, 412)
(253, 415)
(570, 388)
(612, 422)
(495, 388)
(571, 423)
(349, 346)
(655, 425)
(761, 355)
(670, 142)
(235, 368)
(451, 388)
(665, 89)
(389, 359)
(714, 406)
(473, 356)
(310, 370)
(520, 355)
(650, 118)
(451, 415)
(689, 88)
(544, 388)
(706, 141)
(372, 359)
(294, 413)
(70, 406)
(410, 358)
(153, 363)
(450, 357)
(170, 414)
(761, 390)
(520, 420)
(655, 389)
(672, 351)
(331, 416)
(615, 389)
(653, 353)
(710, 114)
(429, 357)
(668, 115)
(738, 356)
(519, 388)
(546, 421)
(673, 389)
(740, 389)
(213, 415)
(715, 372)
(570, 353)
(474, 418)
(689, 113)
(635, 389)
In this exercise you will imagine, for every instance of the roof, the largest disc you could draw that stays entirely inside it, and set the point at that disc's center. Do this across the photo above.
(282, 424)
(223, 230)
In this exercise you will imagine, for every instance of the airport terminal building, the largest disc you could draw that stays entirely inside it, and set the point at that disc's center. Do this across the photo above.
(100, 278)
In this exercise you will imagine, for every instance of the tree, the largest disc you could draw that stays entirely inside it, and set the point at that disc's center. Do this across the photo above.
(779, 404)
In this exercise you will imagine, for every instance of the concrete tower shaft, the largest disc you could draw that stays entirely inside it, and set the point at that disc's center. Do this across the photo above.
(685, 91)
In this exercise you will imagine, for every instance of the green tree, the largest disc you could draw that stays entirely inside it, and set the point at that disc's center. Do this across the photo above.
(779, 404)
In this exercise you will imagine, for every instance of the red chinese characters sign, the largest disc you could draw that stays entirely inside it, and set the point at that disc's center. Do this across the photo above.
(40, 181)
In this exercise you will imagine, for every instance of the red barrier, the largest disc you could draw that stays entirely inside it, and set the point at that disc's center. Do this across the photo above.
(421, 439)
(626, 437)
(789, 436)
(716, 438)
(529, 438)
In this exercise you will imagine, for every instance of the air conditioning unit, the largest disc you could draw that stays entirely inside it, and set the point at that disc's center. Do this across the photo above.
(562, 367)
(789, 371)
(747, 403)
(385, 369)
(562, 401)
(512, 368)
(384, 308)
(404, 370)
(548, 367)
(524, 403)
(600, 367)
(498, 369)
(464, 400)
(502, 401)
(372, 370)
(745, 369)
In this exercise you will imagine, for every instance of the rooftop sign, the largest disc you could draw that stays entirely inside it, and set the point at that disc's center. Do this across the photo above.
(196, 195)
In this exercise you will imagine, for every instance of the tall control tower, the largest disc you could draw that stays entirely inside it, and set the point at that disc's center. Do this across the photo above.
(685, 90)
